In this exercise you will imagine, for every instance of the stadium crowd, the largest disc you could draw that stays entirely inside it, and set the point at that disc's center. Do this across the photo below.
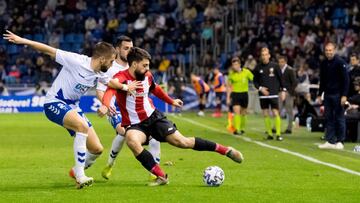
(296, 29)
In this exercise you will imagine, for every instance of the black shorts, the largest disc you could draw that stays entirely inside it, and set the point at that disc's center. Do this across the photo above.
(220, 96)
(239, 98)
(269, 102)
(156, 126)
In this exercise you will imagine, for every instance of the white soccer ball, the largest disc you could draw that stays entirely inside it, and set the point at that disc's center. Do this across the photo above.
(213, 176)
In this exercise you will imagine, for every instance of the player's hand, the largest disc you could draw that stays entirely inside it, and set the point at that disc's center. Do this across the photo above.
(178, 103)
(264, 91)
(11, 37)
(319, 100)
(343, 100)
(102, 111)
(134, 85)
(112, 111)
(282, 96)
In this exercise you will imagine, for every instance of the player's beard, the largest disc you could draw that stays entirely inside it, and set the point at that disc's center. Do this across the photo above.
(139, 76)
(123, 58)
(103, 68)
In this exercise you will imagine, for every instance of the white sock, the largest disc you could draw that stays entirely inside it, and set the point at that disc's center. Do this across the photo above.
(116, 146)
(90, 159)
(154, 149)
(80, 153)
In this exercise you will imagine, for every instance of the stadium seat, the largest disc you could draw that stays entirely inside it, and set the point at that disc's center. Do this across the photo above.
(39, 37)
(12, 49)
(199, 18)
(79, 38)
(169, 48)
(76, 47)
(65, 46)
(28, 36)
(123, 27)
(70, 38)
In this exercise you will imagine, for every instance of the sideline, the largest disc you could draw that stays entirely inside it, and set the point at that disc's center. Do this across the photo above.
(286, 151)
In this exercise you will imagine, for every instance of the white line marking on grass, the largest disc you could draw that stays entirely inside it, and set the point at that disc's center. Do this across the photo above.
(286, 151)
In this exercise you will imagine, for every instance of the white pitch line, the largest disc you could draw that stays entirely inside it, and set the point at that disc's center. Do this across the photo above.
(286, 151)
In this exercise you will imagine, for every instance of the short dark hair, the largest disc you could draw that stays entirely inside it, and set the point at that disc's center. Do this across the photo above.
(282, 57)
(121, 39)
(137, 54)
(354, 55)
(103, 49)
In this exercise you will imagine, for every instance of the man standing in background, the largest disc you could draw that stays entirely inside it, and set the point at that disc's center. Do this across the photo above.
(267, 79)
(334, 84)
(290, 83)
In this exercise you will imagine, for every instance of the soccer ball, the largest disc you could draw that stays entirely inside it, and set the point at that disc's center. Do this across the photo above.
(213, 176)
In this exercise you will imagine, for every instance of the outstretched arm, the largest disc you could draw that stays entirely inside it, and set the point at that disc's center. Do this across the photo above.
(46, 49)
(159, 92)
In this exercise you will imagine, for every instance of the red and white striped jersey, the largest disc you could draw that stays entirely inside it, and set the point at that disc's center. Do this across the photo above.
(137, 107)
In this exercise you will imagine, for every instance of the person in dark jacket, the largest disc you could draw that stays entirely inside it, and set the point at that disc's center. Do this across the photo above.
(267, 79)
(354, 73)
(290, 83)
(334, 84)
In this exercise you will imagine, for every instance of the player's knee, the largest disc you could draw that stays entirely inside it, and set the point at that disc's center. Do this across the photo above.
(97, 150)
(81, 127)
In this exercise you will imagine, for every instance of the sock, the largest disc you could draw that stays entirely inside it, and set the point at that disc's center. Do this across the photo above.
(80, 153)
(268, 125)
(218, 108)
(204, 145)
(116, 146)
(154, 149)
(221, 149)
(156, 170)
(230, 120)
(237, 122)
(147, 160)
(90, 159)
(242, 122)
(278, 125)
(201, 107)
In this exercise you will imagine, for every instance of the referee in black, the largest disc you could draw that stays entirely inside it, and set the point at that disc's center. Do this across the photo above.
(334, 84)
(268, 80)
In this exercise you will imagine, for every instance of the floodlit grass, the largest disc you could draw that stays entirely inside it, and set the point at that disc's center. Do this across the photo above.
(36, 155)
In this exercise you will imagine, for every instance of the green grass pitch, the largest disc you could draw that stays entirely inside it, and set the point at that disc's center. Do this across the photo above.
(36, 155)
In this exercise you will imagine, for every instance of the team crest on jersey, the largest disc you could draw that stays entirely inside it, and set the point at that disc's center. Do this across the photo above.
(80, 88)
(261, 71)
(271, 74)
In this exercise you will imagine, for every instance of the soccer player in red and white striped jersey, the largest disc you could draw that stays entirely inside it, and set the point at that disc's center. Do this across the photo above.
(141, 119)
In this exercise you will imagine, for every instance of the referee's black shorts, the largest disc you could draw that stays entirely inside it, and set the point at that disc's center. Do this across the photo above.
(239, 99)
(266, 103)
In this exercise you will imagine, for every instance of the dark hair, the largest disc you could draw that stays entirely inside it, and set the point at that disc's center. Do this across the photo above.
(282, 57)
(354, 55)
(103, 49)
(137, 54)
(121, 39)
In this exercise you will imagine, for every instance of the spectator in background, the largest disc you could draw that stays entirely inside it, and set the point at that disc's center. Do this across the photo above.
(334, 84)
(112, 24)
(219, 87)
(3, 6)
(3, 89)
(189, 12)
(290, 83)
(201, 89)
(250, 63)
(177, 85)
(2, 72)
(54, 39)
(90, 23)
(354, 73)
(303, 87)
(140, 23)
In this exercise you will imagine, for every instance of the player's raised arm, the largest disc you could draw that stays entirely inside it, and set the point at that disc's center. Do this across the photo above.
(46, 49)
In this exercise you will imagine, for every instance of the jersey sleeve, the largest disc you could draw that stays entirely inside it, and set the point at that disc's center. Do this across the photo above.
(250, 76)
(67, 59)
(102, 83)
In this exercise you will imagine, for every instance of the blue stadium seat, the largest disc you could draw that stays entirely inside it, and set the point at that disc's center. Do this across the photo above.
(169, 48)
(76, 47)
(199, 18)
(28, 36)
(12, 49)
(39, 37)
(79, 38)
(70, 38)
(123, 27)
(65, 46)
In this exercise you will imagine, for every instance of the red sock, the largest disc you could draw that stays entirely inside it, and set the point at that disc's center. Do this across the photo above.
(221, 149)
(156, 170)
